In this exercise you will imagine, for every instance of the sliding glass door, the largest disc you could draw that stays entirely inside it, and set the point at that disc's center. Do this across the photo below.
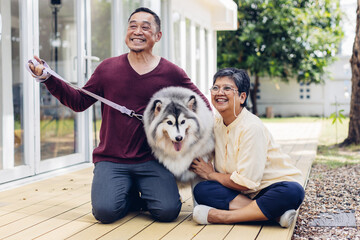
(38, 134)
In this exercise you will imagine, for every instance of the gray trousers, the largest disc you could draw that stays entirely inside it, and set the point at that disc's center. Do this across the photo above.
(116, 186)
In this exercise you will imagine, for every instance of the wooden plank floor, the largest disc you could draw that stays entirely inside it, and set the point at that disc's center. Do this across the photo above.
(60, 207)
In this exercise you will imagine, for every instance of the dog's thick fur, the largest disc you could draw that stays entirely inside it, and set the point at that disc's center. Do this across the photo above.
(179, 128)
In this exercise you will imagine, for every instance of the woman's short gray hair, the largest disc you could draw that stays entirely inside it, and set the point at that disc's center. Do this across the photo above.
(240, 78)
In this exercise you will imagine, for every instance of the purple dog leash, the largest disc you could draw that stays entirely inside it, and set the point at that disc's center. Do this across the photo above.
(47, 71)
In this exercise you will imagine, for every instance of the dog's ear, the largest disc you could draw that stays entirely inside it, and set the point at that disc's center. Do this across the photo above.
(156, 107)
(192, 105)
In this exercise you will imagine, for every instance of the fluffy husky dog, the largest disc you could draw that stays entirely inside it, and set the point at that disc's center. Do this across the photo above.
(179, 128)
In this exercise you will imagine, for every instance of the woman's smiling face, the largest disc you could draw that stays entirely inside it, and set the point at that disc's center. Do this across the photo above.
(225, 100)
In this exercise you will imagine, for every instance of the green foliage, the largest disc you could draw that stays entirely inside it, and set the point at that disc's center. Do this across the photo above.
(283, 38)
(337, 116)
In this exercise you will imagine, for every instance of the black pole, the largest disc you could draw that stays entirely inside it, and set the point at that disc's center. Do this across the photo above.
(56, 36)
(56, 5)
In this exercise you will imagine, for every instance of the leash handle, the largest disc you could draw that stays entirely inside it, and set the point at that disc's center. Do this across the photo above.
(47, 72)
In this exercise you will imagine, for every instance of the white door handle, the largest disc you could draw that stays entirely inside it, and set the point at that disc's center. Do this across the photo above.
(92, 58)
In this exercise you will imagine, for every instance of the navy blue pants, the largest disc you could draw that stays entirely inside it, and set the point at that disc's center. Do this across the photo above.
(273, 200)
(116, 187)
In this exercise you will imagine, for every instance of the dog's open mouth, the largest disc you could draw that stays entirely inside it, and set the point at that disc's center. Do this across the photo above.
(177, 146)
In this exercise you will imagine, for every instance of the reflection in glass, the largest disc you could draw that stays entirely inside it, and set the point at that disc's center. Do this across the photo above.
(57, 29)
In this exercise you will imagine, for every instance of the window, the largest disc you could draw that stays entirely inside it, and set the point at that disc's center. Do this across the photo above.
(304, 91)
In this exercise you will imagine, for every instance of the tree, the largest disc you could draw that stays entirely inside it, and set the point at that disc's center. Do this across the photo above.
(282, 39)
(354, 124)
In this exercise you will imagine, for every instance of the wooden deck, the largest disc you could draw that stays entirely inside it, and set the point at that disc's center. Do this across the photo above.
(60, 207)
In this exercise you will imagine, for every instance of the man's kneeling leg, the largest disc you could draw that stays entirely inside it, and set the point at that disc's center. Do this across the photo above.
(159, 189)
(109, 192)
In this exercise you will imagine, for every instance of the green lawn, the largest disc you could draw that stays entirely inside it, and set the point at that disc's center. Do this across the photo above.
(328, 151)
(58, 128)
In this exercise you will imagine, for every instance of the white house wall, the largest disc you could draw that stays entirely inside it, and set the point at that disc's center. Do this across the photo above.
(317, 99)
(286, 101)
(195, 10)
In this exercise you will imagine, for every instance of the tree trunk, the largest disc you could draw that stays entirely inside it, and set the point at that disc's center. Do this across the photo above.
(354, 125)
(253, 93)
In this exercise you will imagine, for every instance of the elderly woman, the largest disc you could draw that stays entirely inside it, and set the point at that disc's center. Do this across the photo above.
(253, 179)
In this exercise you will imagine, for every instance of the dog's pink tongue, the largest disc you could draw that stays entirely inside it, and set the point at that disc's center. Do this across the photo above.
(177, 146)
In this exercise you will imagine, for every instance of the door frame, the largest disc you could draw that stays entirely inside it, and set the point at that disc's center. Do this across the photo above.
(11, 172)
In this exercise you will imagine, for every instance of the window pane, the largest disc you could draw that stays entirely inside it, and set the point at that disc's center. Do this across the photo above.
(57, 29)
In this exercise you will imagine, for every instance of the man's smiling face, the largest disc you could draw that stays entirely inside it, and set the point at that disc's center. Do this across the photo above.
(142, 32)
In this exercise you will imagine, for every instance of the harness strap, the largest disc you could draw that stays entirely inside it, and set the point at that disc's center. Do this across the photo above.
(47, 71)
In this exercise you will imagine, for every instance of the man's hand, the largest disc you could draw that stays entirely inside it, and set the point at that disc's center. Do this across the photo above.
(37, 70)
(202, 168)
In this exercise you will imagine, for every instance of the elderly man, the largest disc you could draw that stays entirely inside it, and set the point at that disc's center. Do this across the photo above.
(126, 175)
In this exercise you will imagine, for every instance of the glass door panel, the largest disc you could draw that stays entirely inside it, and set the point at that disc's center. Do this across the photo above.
(58, 47)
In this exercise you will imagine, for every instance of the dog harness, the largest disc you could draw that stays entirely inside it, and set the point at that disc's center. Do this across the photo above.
(47, 71)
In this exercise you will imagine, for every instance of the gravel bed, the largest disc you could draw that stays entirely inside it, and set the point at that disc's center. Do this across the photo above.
(330, 191)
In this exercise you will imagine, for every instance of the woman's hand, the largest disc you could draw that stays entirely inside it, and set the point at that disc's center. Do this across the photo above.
(206, 171)
(202, 168)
